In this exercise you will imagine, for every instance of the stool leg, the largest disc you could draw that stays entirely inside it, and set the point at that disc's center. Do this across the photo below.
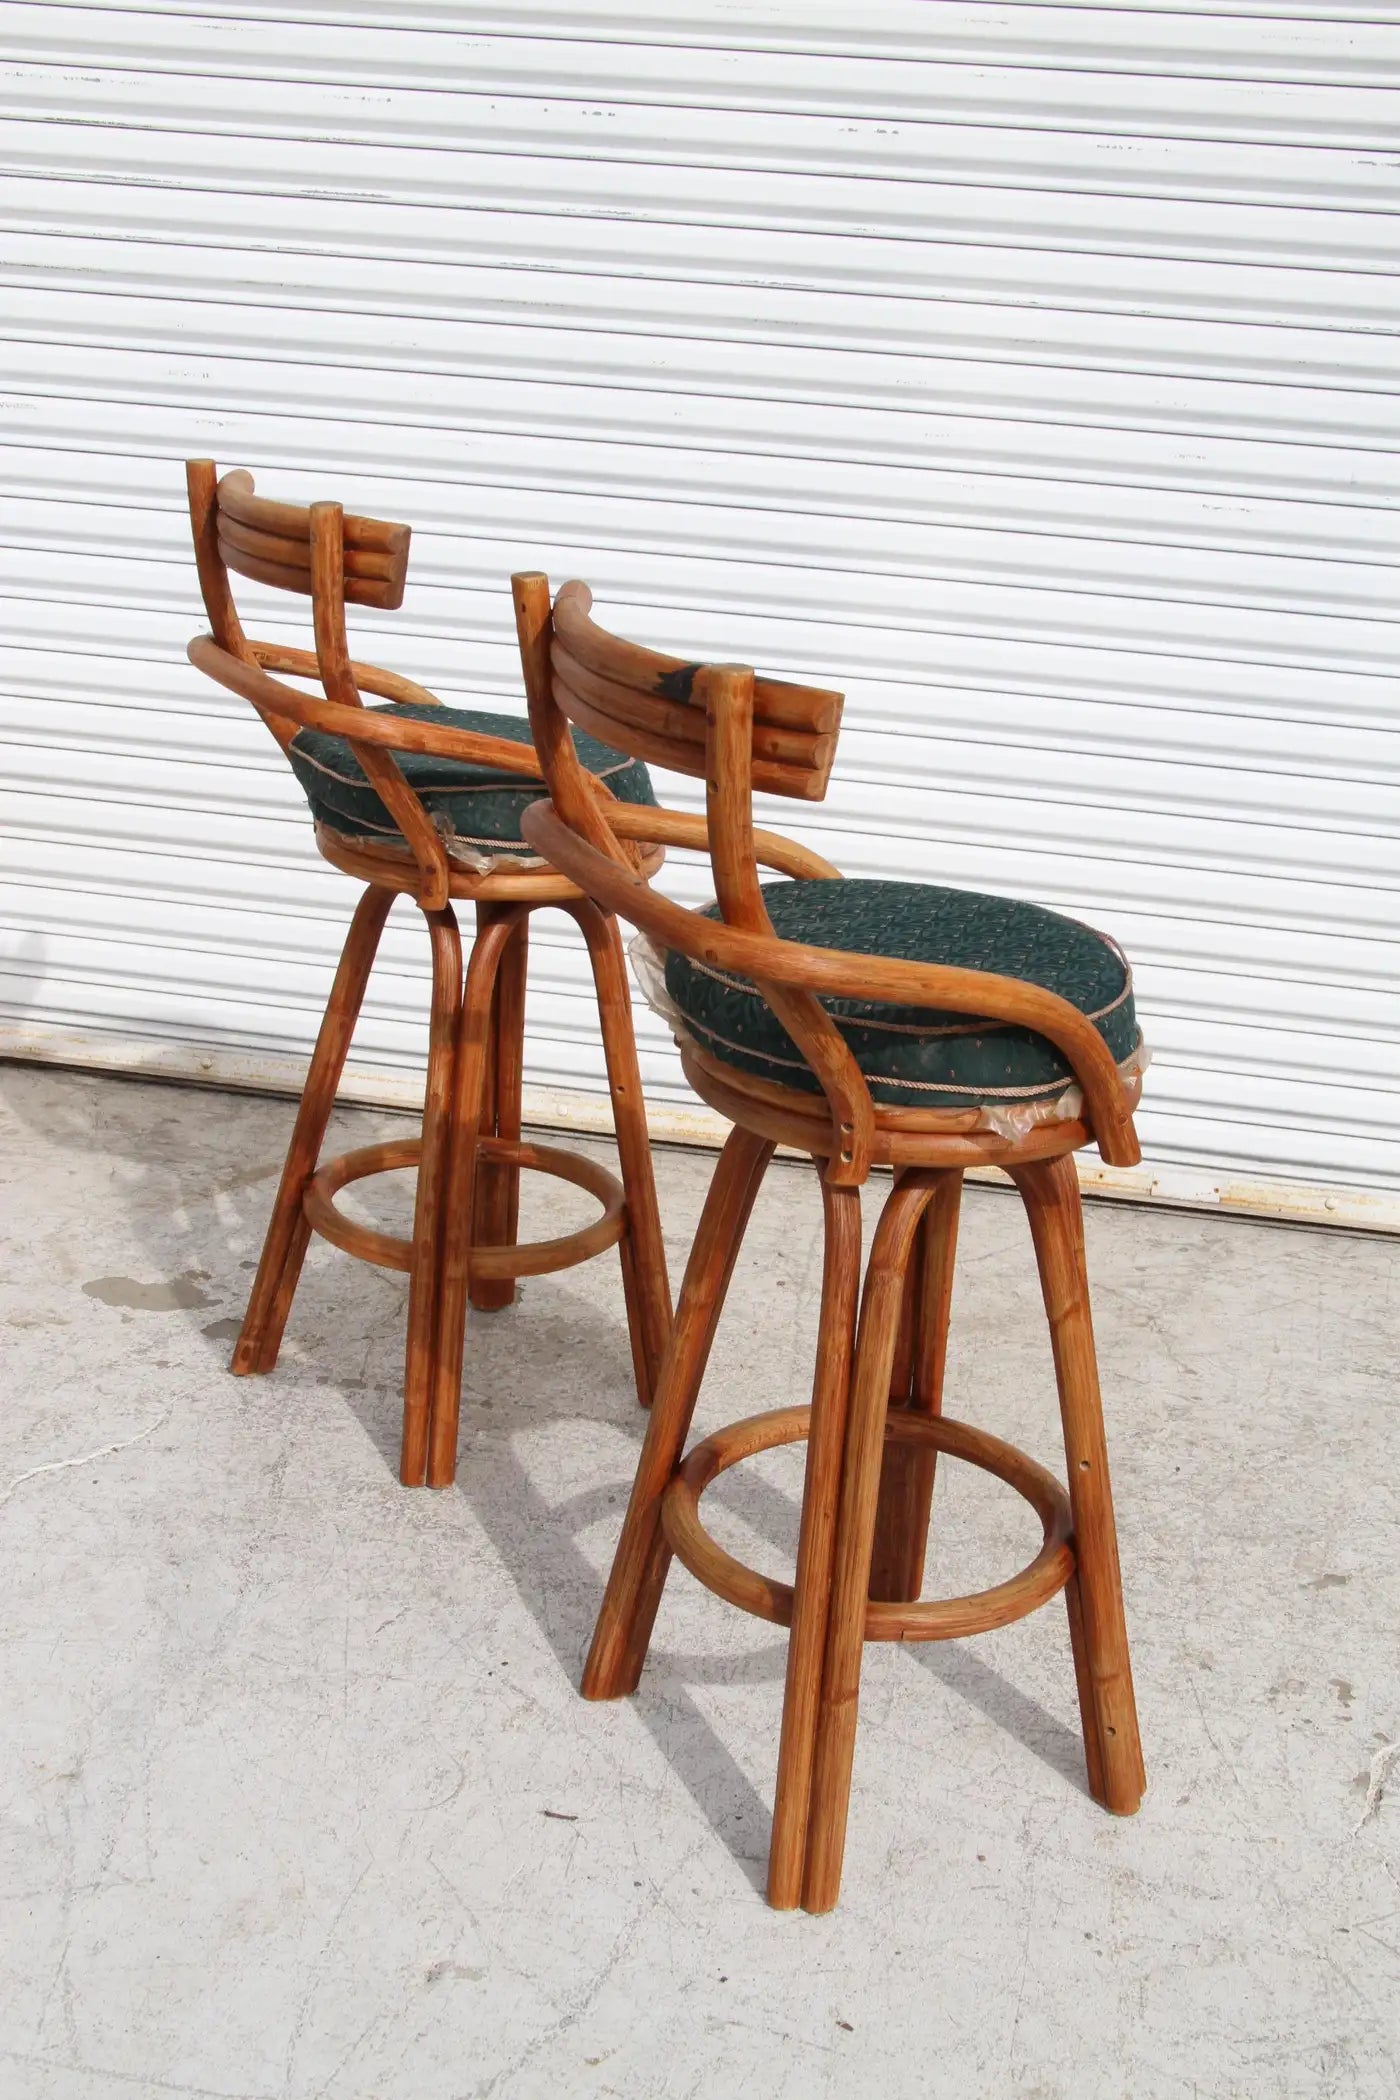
(642, 1250)
(907, 1471)
(881, 1304)
(812, 1583)
(498, 939)
(427, 1212)
(1112, 1747)
(643, 1557)
(284, 1248)
(496, 1196)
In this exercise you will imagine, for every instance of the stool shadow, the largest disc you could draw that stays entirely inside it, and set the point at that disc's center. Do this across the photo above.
(201, 1202)
(773, 1516)
(538, 1543)
(1020, 1716)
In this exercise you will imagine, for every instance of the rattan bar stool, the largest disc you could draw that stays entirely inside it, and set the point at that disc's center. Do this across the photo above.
(399, 793)
(925, 1029)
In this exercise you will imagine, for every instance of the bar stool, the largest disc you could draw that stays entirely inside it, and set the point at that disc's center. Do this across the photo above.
(421, 800)
(925, 1029)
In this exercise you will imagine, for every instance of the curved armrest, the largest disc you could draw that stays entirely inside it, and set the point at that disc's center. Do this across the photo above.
(357, 724)
(840, 974)
(302, 663)
(676, 827)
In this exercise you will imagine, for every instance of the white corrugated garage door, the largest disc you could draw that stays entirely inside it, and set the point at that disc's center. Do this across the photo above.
(1028, 371)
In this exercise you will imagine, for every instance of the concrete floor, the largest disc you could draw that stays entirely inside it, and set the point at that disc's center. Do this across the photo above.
(299, 1798)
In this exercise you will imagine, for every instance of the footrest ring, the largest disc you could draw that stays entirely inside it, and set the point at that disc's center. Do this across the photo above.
(946, 1619)
(388, 1250)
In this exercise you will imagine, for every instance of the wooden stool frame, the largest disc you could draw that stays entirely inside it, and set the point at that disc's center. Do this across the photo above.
(470, 1153)
(875, 1425)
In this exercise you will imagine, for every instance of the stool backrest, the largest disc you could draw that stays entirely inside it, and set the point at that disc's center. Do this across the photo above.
(654, 706)
(720, 723)
(271, 543)
(316, 550)
(321, 552)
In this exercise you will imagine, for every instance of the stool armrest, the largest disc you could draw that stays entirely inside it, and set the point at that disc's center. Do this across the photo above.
(841, 974)
(303, 663)
(357, 725)
(676, 827)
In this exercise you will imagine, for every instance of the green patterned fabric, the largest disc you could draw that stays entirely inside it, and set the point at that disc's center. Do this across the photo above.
(917, 1057)
(474, 806)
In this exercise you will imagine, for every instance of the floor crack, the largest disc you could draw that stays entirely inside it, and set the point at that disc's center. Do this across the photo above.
(59, 1465)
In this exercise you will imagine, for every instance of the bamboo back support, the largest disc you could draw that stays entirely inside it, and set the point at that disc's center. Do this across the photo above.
(652, 706)
(325, 554)
(271, 543)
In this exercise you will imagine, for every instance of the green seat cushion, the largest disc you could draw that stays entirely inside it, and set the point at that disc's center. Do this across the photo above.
(472, 805)
(911, 1056)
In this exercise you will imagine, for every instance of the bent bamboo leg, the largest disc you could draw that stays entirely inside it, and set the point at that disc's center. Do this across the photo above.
(1112, 1746)
(881, 1304)
(285, 1244)
(812, 1583)
(643, 1557)
(907, 1472)
(427, 1210)
(496, 1193)
(642, 1250)
(470, 1109)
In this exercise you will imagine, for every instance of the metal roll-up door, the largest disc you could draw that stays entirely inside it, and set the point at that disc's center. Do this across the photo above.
(1028, 371)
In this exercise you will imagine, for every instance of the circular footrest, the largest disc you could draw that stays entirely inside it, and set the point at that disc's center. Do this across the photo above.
(388, 1250)
(947, 1619)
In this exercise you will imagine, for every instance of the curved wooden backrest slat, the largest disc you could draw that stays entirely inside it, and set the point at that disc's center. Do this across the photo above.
(270, 542)
(640, 725)
(647, 703)
(293, 520)
(685, 724)
(286, 553)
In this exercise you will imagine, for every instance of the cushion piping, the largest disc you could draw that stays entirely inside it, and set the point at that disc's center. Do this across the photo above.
(1041, 1090)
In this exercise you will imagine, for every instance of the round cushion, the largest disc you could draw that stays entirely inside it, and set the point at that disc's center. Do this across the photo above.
(917, 1057)
(471, 805)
